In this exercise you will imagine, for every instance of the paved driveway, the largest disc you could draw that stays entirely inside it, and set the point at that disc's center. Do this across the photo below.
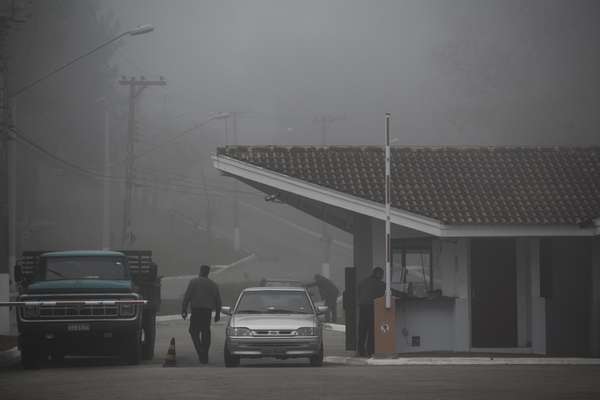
(290, 380)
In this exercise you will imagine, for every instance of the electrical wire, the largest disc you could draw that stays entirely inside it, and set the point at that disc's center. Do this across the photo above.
(136, 181)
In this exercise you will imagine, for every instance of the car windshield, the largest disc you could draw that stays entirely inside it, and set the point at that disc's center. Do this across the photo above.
(274, 302)
(109, 268)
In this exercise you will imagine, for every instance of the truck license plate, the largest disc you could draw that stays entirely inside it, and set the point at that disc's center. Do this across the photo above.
(78, 327)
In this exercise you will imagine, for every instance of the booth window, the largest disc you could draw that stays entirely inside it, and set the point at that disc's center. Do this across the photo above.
(412, 270)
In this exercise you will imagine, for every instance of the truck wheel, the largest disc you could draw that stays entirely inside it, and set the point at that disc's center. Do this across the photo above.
(149, 327)
(30, 356)
(230, 359)
(317, 360)
(133, 348)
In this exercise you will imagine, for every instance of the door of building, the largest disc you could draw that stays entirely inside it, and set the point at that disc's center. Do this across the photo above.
(566, 275)
(350, 305)
(493, 293)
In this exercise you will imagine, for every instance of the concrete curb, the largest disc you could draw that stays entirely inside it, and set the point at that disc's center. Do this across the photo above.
(461, 361)
(345, 360)
(9, 357)
(334, 327)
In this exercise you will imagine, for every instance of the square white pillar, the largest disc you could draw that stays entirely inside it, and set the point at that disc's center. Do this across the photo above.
(462, 302)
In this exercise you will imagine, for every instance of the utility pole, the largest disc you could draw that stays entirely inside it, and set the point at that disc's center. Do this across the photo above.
(208, 217)
(106, 208)
(136, 87)
(236, 211)
(236, 214)
(5, 138)
(325, 121)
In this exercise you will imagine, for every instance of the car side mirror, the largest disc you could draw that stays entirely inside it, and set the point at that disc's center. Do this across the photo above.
(226, 310)
(322, 310)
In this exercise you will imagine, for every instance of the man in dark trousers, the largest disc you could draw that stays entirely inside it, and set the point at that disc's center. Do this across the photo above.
(203, 296)
(329, 293)
(369, 289)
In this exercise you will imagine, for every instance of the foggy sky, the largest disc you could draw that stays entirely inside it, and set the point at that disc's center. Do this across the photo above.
(466, 72)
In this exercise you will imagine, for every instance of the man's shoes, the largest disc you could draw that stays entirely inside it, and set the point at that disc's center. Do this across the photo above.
(361, 353)
(203, 358)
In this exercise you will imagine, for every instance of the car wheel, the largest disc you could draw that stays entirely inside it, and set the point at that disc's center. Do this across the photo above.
(230, 359)
(317, 359)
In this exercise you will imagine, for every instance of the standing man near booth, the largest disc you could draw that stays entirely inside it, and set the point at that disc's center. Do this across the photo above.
(204, 297)
(329, 293)
(369, 289)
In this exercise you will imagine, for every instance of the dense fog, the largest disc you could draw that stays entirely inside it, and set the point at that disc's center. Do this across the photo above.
(461, 72)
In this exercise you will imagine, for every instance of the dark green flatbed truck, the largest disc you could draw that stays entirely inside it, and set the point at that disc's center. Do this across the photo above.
(86, 303)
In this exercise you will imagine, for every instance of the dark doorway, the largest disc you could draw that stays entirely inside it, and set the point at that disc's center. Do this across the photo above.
(349, 301)
(493, 293)
(566, 275)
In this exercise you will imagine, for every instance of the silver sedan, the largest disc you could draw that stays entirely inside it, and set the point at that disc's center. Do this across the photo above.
(278, 322)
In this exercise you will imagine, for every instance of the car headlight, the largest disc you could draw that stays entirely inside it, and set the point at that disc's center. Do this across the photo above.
(127, 310)
(238, 331)
(307, 331)
(31, 311)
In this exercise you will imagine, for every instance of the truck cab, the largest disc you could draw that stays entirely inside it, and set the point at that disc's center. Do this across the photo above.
(87, 303)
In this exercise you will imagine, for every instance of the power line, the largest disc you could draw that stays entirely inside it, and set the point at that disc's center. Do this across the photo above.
(20, 136)
(152, 149)
(138, 182)
(187, 179)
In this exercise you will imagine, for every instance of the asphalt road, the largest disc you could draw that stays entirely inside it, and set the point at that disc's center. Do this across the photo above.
(108, 379)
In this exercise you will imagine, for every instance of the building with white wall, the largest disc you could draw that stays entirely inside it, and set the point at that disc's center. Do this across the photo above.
(493, 248)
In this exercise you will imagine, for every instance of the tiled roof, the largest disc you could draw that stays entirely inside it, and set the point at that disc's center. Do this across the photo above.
(455, 185)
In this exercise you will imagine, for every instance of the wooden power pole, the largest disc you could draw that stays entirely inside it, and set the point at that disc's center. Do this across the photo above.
(136, 86)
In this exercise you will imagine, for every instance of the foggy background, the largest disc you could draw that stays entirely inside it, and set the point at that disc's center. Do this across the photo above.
(459, 72)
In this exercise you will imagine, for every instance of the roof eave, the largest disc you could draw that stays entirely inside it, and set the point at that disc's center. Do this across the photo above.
(377, 210)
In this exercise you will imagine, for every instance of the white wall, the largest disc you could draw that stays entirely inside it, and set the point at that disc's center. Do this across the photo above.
(433, 321)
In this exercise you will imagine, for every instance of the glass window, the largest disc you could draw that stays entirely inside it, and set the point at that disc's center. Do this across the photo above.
(274, 302)
(85, 268)
(411, 267)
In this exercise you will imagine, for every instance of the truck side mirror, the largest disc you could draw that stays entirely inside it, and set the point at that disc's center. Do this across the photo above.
(226, 310)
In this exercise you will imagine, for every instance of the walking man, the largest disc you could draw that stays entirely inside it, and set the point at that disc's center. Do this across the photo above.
(203, 296)
(329, 293)
(369, 289)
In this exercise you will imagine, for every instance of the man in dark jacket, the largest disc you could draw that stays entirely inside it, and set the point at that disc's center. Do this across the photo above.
(203, 295)
(329, 293)
(369, 289)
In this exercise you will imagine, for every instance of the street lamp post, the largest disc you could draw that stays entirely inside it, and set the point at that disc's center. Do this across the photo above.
(140, 30)
(10, 166)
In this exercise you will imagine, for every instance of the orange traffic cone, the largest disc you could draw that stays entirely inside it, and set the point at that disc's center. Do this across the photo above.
(170, 360)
